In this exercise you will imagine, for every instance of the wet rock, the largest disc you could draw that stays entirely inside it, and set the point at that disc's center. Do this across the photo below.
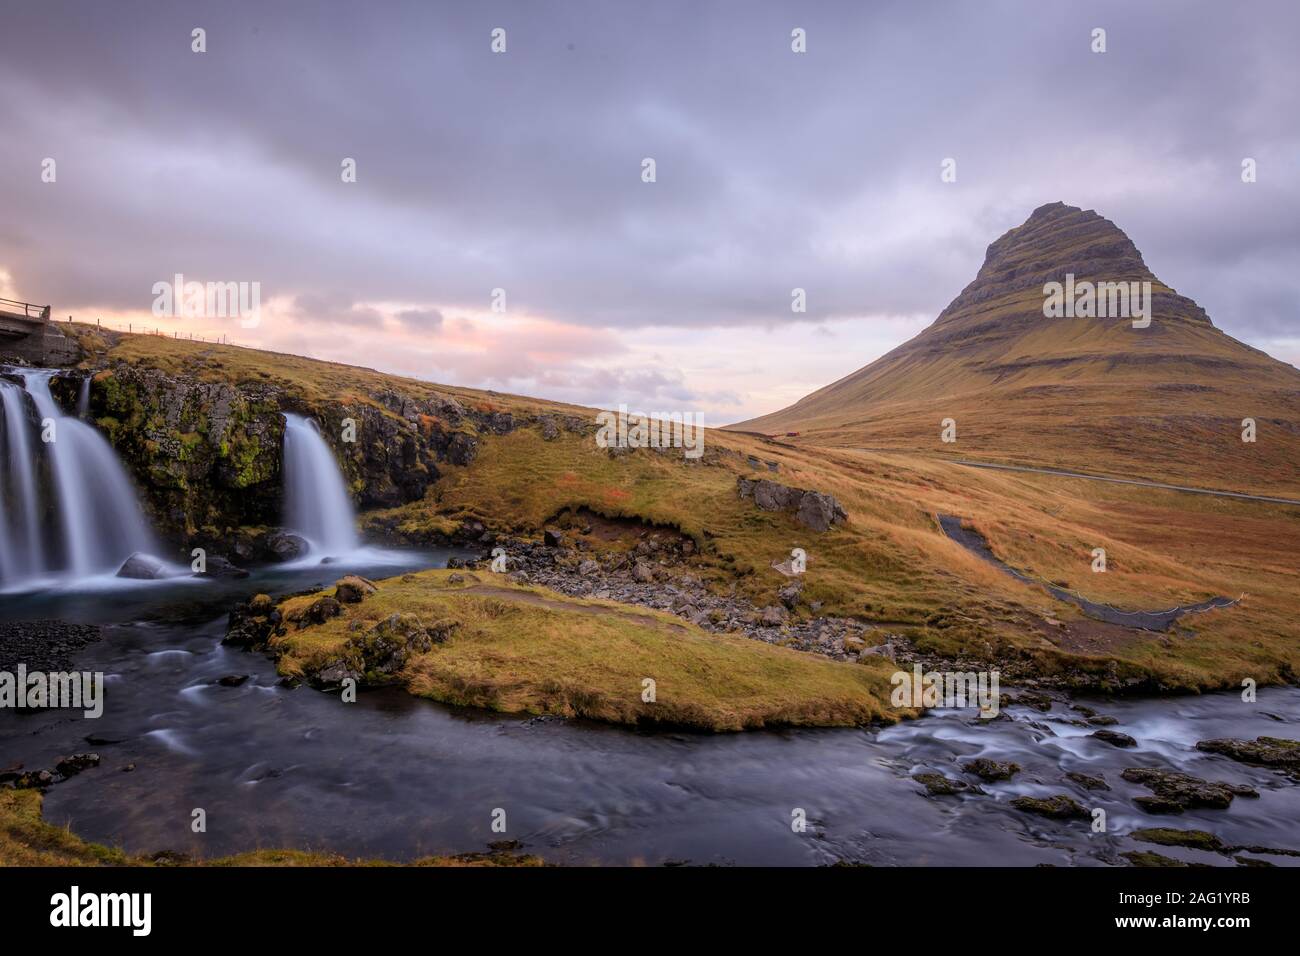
(1193, 839)
(937, 785)
(1114, 738)
(232, 680)
(1058, 807)
(1175, 791)
(1277, 753)
(1088, 781)
(1147, 858)
(215, 566)
(991, 770)
(253, 623)
(353, 589)
(1103, 720)
(284, 545)
(69, 766)
(142, 567)
(35, 780)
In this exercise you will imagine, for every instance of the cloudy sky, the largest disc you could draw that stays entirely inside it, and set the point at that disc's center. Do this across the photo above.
(522, 171)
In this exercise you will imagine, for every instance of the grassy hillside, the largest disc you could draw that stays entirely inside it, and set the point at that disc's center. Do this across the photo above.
(889, 565)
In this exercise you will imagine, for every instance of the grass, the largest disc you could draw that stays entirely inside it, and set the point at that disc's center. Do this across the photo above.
(519, 649)
(27, 840)
(890, 564)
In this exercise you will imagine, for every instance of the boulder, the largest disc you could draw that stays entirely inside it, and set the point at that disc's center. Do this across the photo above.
(553, 538)
(215, 566)
(284, 545)
(142, 567)
(319, 611)
(937, 785)
(773, 616)
(353, 589)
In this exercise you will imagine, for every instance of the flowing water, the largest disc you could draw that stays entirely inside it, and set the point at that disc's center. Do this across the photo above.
(317, 505)
(100, 523)
(397, 777)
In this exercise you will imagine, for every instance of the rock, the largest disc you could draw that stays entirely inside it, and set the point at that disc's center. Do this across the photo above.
(319, 611)
(1147, 858)
(643, 573)
(1058, 807)
(553, 538)
(284, 545)
(588, 568)
(991, 770)
(251, 625)
(35, 780)
(232, 680)
(937, 785)
(261, 604)
(1114, 738)
(1088, 781)
(550, 430)
(1194, 839)
(215, 566)
(336, 672)
(142, 567)
(353, 589)
(1175, 791)
(1277, 753)
(813, 509)
(773, 616)
(789, 595)
(818, 511)
(68, 766)
(1103, 720)
(455, 578)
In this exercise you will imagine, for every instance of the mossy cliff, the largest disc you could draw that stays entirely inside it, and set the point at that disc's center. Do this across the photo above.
(204, 437)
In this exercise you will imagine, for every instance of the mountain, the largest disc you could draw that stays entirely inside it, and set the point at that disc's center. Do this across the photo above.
(1165, 401)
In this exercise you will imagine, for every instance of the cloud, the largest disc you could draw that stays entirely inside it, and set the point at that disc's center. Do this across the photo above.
(521, 171)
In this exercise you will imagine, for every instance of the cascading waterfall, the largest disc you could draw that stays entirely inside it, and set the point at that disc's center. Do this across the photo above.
(24, 552)
(99, 517)
(317, 505)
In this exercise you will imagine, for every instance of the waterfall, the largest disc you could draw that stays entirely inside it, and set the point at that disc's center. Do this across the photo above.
(317, 505)
(99, 518)
(23, 553)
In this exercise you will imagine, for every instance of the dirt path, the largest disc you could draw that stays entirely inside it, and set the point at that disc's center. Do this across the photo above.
(1123, 481)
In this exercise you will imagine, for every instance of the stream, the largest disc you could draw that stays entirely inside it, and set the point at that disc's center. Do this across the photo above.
(399, 777)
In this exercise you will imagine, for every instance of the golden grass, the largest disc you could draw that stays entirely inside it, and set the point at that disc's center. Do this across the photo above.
(519, 649)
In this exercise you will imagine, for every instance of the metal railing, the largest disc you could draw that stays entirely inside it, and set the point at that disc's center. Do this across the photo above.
(30, 310)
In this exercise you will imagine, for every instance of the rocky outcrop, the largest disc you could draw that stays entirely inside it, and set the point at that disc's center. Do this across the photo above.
(812, 509)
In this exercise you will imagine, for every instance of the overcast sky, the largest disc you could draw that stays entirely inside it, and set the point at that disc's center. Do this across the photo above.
(523, 171)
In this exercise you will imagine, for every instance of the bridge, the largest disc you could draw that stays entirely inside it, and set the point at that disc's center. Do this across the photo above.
(27, 333)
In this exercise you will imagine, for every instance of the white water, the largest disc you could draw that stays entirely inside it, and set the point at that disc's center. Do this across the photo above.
(100, 523)
(317, 505)
(23, 552)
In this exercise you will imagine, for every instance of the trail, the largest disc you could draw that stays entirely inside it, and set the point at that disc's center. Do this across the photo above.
(1123, 481)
